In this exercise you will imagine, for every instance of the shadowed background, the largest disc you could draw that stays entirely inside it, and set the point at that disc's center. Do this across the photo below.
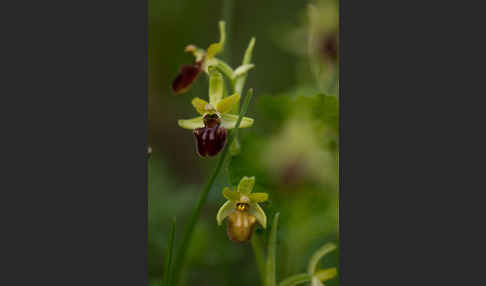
(303, 188)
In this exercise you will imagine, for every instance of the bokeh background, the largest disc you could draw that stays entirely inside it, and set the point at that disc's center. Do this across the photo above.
(292, 149)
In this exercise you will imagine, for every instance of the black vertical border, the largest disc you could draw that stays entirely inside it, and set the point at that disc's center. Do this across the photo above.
(74, 142)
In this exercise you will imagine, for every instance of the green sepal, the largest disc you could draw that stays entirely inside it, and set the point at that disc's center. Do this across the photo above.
(216, 85)
(216, 48)
(258, 197)
(246, 185)
(228, 121)
(259, 214)
(192, 123)
(225, 210)
(230, 194)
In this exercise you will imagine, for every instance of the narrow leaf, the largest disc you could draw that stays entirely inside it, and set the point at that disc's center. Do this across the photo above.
(256, 244)
(325, 249)
(296, 279)
(326, 274)
(168, 259)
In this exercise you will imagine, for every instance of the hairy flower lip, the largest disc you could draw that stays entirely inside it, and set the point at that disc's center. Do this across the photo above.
(210, 140)
(240, 226)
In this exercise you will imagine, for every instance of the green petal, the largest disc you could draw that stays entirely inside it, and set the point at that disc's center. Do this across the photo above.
(325, 249)
(199, 105)
(192, 123)
(258, 197)
(225, 104)
(259, 214)
(326, 274)
(246, 185)
(231, 195)
(228, 121)
(225, 210)
(216, 48)
(216, 85)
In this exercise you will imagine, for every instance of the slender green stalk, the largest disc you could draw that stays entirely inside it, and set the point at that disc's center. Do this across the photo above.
(181, 253)
(256, 244)
(168, 260)
(296, 279)
(270, 270)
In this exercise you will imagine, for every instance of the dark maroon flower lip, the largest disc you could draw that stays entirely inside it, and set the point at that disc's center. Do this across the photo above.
(210, 140)
(187, 75)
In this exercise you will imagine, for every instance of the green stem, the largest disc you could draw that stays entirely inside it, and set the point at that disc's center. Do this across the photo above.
(270, 271)
(168, 262)
(256, 244)
(181, 254)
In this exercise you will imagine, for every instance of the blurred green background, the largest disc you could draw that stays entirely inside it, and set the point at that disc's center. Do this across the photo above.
(292, 149)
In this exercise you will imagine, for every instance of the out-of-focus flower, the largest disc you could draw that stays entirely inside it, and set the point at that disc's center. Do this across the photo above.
(297, 154)
(242, 210)
(210, 127)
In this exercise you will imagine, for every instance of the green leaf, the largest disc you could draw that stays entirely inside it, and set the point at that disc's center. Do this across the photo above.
(326, 274)
(270, 270)
(256, 244)
(168, 259)
(296, 279)
(246, 185)
(240, 81)
(325, 249)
